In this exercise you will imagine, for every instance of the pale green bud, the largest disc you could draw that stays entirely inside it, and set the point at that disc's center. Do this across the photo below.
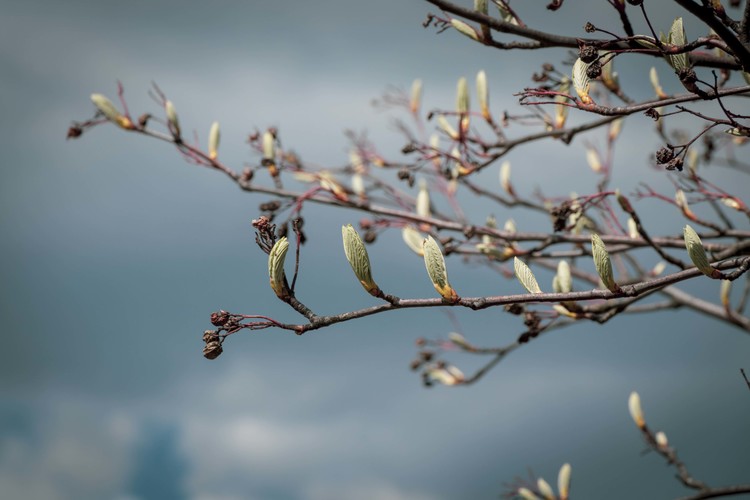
(276, 266)
(356, 254)
(213, 141)
(603, 263)
(435, 264)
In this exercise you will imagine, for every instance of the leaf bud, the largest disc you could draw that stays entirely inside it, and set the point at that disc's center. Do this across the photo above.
(435, 264)
(636, 412)
(356, 254)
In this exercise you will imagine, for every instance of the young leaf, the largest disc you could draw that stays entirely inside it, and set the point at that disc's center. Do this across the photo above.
(413, 239)
(110, 112)
(423, 200)
(483, 94)
(213, 141)
(435, 264)
(356, 254)
(564, 279)
(465, 29)
(636, 412)
(603, 263)
(172, 119)
(416, 96)
(563, 481)
(276, 266)
(525, 276)
(581, 81)
(677, 37)
(697, 253)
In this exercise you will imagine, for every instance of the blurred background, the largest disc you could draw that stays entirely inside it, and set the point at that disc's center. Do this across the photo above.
(115, 251)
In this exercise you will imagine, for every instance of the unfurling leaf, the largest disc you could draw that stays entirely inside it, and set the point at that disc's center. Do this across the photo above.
(682, 203)
(561, 110)
(505, 178)
(213, 141)
(358, 185)
(633, 229)
(462, 104)
(654, 77)
(581, 81)
(636, 412)
(592, 157)
(545, 489)
(563, 481)
(356, 254)
(563, 277)
(435, 264)
(447, 127)
(172, 120)
(413, 239)
(697, 253)
(269, 146)
(462, 96)
(726, 287)
(526, 493)
(276, 266)
(446, 375)
(677, 37)
(416, 96)
(603, 263)
(661, 440)
(525, 276)
(459, 340)
(614, 129)
(465, 29)
(110, 112)
(423, 200)
(483, 95)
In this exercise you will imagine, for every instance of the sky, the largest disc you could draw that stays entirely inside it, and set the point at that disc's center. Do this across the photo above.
(116, 251)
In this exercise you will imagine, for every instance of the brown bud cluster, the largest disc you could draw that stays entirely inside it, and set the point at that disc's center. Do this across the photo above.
(594, 70)
(587, 54)
(212, 349)
(664, 155)
(270, 206)
(219, 318)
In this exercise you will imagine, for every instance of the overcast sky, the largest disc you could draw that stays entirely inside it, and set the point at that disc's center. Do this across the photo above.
(115, 252)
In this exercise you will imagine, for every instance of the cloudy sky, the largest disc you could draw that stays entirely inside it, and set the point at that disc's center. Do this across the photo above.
(115, 252)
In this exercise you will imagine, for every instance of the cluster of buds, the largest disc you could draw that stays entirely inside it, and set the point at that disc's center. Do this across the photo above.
(543, 491)
(213, 348)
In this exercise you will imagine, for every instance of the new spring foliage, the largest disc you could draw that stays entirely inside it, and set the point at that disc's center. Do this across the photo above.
(356, 254)
(435, 264)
